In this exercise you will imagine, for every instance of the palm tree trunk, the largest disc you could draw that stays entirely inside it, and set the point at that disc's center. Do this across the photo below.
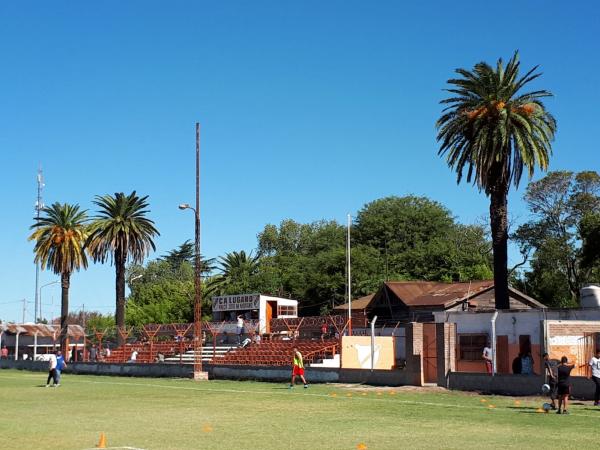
(65, 283)
(120, 290)
(499, 225)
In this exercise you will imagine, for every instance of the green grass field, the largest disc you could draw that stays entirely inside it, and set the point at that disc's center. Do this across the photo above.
(182, 414)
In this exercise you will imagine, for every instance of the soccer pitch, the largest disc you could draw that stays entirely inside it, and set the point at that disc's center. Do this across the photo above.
(182, 414)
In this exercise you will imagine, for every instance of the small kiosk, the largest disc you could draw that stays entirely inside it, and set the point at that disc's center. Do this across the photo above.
(258, 307)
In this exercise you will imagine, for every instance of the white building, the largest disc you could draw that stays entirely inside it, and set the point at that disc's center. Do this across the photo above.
(255, 307)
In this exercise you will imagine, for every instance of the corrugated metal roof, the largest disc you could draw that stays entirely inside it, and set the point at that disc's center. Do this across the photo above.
(431, 294)
(75, 331)
(359, 303)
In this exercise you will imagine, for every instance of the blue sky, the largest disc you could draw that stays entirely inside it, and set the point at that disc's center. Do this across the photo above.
(308, 110)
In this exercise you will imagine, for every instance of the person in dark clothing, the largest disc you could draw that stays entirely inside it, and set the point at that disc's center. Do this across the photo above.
(564, 384)
(516, 364)
(551, 378)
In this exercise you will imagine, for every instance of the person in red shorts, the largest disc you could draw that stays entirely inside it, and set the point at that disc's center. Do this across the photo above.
(298, 368)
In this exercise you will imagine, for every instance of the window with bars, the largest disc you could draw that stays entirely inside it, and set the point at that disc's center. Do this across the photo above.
(286, 310)
(471, 346)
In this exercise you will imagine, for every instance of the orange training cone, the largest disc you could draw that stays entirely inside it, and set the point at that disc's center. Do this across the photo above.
(102, 443)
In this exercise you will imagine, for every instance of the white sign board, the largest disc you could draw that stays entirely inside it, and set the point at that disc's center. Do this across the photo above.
(236, 302)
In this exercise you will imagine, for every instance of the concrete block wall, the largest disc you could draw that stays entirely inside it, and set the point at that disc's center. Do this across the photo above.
(498, 384)
(517, 385)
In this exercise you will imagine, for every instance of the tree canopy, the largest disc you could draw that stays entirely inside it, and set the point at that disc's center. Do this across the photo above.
(561, 237)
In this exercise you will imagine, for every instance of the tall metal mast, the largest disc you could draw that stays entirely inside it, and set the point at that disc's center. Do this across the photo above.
(39, 205)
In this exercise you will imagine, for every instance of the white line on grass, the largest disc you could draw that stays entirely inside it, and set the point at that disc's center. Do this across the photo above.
(287, 393)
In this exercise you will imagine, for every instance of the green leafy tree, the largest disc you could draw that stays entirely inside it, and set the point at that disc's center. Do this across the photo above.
(418, 238)
(185, 253)
(60, 234)
(492, 131)
(560, 236)
(121, 231)
(590, 233)
(162, 294)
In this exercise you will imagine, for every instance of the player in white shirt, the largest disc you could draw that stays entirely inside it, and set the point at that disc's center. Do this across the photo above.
(51, 370)
(595, 365)
(487, 356)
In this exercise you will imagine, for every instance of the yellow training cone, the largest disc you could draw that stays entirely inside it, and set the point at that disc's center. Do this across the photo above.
(348, 394)
(102, 442)
(333, 394)
(207, 428)
(517, 402)
(361, 446)
(491, 406)
(540, 410)
(483, 400)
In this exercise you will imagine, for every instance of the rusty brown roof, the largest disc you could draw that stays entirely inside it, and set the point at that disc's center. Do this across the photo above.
(359, 303)
(75, 331)
(432, 294)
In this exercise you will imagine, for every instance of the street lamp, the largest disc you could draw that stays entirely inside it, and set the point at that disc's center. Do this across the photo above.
(37, 319)
(199, 374)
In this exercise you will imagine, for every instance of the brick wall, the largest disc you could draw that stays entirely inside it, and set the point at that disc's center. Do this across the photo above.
(414, 353)
(572, 328)
(446, 351)
(573, 339)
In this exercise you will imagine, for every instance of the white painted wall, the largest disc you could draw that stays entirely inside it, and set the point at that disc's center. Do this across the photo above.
(513, 323)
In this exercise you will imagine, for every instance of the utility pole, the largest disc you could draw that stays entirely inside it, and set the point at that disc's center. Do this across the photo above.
(349, 280)
(39, 205)
(24, 309)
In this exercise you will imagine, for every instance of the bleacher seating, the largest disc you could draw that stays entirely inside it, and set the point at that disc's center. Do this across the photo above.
(146, 353)
(280, 353)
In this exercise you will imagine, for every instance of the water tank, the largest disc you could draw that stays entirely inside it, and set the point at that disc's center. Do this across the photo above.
(590, 296)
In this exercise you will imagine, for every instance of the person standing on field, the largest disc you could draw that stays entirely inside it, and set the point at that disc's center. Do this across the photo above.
(551, 378)
(60, 366)
(51, 370)
(595, 365)
(564, 385)
(298, 368)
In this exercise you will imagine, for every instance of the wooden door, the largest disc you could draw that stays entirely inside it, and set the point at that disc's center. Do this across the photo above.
(269, 317)
(502, 358)
(429, 353)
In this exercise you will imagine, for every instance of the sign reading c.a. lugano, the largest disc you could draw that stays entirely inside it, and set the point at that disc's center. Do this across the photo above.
(236, 302)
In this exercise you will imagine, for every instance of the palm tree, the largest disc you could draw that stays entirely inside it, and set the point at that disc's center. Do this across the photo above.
(60, 236)
(494, 131)
(237, 270)
(121, 232)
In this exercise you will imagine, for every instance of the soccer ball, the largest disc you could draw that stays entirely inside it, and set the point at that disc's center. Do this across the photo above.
(546, 389)
(546, 407)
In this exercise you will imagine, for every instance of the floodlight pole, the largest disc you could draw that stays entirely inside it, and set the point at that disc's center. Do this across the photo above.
(349, 280)
(199, 374)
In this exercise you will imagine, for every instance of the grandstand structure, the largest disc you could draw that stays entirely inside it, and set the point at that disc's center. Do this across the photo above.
(173, 343)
